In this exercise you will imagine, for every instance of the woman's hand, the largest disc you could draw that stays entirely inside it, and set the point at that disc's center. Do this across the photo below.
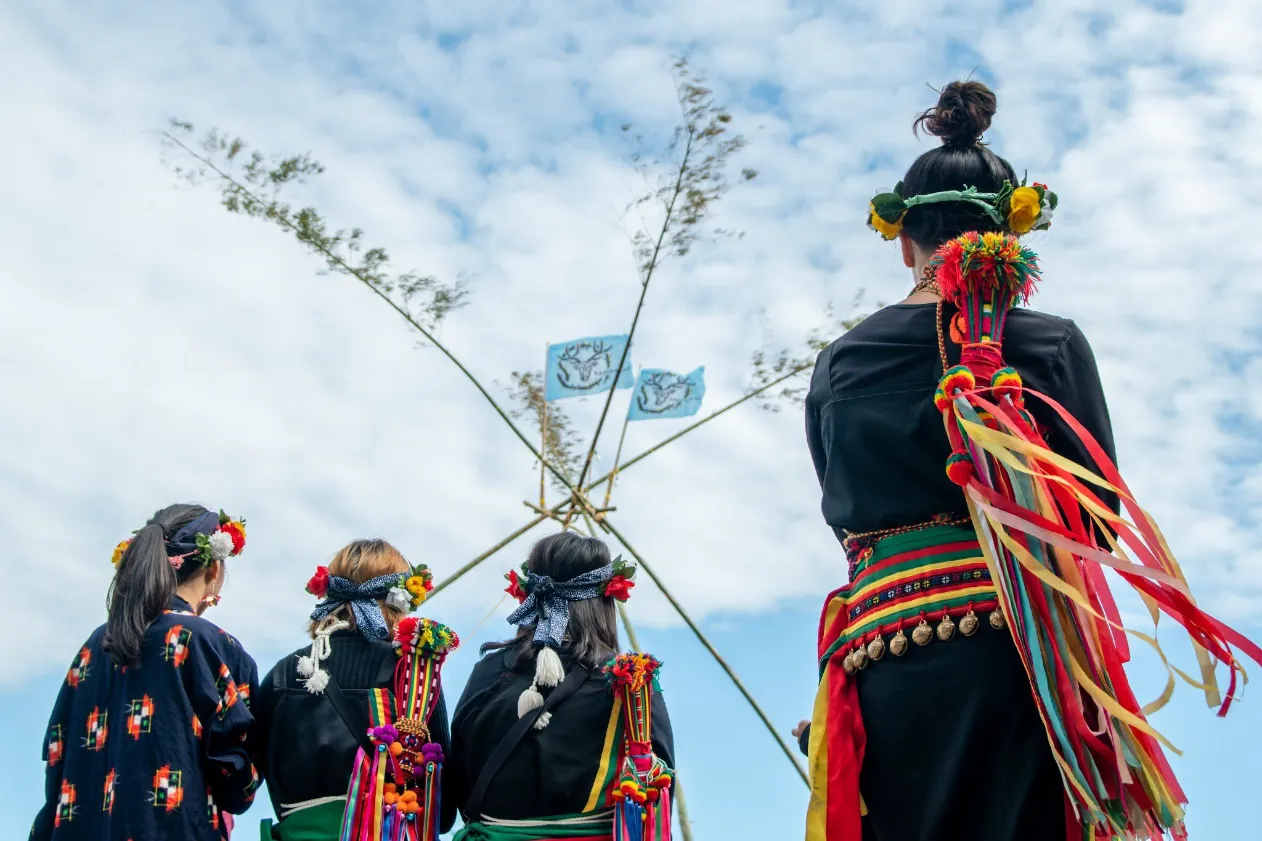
(800, 729)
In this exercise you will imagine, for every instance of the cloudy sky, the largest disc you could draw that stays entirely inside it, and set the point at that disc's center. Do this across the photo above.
(156, 349)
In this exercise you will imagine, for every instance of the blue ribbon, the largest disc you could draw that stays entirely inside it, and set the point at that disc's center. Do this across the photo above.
(363, 601)
(547, 604)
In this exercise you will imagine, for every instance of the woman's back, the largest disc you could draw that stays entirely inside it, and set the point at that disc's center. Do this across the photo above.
(307, 749)
(126, 746)
(565, 768)
(876, 437)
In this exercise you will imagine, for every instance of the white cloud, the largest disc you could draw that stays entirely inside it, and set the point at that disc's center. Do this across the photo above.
(158, 349)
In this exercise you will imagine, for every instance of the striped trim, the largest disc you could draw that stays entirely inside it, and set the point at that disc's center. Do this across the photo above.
(609, 756)
(379, 705)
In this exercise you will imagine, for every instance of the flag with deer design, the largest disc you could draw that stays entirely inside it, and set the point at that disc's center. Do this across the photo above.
(587, 366)
(661, 394)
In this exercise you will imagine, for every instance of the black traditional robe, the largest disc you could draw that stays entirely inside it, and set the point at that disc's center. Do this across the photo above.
(551, 771)
(955, 747)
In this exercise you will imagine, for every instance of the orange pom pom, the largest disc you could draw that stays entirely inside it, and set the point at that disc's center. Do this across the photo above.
(408, 796)
(396, 749)
(390, 798)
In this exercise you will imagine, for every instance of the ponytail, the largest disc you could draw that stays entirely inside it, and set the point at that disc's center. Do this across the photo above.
(144, 583)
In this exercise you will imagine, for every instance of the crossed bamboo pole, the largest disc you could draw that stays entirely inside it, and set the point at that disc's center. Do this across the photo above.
(577, 501)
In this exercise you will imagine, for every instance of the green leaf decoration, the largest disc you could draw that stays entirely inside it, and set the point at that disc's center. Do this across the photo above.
(889, 206)
(898, 190)
(1038, 188)
(1051, 200)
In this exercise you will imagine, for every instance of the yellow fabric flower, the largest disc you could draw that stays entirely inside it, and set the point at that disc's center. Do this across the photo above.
(118, 552)
(888, 230)
(1024, 211)
(418, 598)
(415, 585)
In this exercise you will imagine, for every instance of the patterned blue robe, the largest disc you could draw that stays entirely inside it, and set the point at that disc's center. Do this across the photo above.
(154, 751)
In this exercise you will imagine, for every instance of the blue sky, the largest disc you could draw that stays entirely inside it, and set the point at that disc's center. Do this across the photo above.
(160, 350)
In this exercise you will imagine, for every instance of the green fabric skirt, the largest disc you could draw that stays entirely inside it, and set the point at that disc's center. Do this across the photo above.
(591, 826)
(319, 823)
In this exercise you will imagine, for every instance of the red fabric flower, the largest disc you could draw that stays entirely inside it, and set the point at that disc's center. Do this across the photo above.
(619, 588)
(318, 584)
(234, 530)
(514, 586)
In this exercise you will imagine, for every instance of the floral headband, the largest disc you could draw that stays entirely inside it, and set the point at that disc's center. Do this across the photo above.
(618, 586)
(1016, 210)
(227, 540)
(405, 592)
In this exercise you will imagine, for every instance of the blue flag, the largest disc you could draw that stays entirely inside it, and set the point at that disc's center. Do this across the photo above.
(586, 366)
(663, 394)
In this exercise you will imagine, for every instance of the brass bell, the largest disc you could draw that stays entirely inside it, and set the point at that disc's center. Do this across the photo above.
(876, 648)
(848, 664)
(898, 645)
(860, 658)
(946, 628)
(922, 633)
(968, 625)
(997, 620)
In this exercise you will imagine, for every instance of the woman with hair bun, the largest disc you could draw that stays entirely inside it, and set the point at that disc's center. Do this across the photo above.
(150, 733)
(971, 671)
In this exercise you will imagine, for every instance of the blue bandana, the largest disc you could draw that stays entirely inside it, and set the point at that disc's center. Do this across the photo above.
(184, 541)
(547, 604)
(363, 601)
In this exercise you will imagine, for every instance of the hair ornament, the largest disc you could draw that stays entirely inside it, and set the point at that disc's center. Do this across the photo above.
(226, 540)
(1016, 210)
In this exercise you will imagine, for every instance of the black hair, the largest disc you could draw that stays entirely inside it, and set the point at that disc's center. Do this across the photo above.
(145, 582)
(960, 118)
(591, 637)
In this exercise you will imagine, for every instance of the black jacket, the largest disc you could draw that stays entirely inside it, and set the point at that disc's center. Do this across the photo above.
(552, 770)
(305, 749)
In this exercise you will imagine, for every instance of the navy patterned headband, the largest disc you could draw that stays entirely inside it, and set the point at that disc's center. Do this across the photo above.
(363, 601)
(547, 604)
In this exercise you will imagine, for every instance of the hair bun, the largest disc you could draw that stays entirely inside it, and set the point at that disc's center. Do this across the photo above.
(962, 115)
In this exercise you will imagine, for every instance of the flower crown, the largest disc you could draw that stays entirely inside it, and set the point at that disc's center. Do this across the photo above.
(617, 587)
(1016, 210)
(226, 541)
(407, 593)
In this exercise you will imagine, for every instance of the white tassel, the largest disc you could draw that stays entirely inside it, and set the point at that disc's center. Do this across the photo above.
(317, 682)
(548, 668)
(528, 700)
(309, 665)
(544, 718)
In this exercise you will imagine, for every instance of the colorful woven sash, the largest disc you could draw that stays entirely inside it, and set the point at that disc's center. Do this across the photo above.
(910, 579)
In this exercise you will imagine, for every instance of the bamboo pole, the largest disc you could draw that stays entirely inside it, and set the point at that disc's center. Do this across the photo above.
(458, 574)
(723, 664)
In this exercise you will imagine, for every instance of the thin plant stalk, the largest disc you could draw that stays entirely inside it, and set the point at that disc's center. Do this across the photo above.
(649, 270)
(349, 269)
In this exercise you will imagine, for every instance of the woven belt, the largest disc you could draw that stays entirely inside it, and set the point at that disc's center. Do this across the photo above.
(913, 577)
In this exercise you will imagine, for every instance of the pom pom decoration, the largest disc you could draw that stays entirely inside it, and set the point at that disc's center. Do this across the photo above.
(220, 545)
(318, 682)
(395, 789)
(960, 468)
(641, 792)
